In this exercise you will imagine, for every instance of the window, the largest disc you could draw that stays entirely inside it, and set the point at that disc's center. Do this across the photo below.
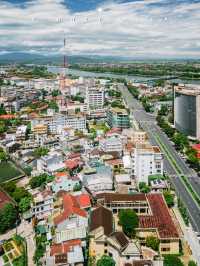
(165, 249)
(105, 251)
(105, 244)
(110, 254)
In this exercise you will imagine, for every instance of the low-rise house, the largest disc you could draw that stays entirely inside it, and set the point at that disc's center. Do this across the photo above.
(98, 179)
(68, 253)
(71, 217)
(51, 162)
(112, 143)
(64, 182)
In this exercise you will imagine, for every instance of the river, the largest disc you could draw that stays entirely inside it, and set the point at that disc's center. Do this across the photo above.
(135, 78)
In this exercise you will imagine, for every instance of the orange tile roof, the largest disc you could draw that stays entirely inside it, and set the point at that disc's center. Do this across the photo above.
(8, 116)
(71, 206)
(84, 200)
(61, 174)
(64, 247)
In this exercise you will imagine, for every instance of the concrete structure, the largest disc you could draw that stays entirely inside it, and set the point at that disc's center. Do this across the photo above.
(111, 143)
(98, 179)
(146, 160)
(57, 122)
(187, 110)
(50, 163)
(118, 118)
(95, 97)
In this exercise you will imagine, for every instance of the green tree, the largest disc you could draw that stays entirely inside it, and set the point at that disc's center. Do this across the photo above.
(25, 204)
(20, 193)
(129, 221)
(172, 260)
(163, 110)
(3, 155)
(41, 151)
(8, 217)
(169, 198)
(192, 263)
(77, 187)
(2, 127)
(37, 181)
(106, 261)
(144, 188)
(180, 141)
(152, 242)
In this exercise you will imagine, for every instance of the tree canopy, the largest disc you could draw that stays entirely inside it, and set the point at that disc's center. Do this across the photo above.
(169, 198)
(106, 261)
(8, 217)
(129, 221)
(152, 242)
(171, 260)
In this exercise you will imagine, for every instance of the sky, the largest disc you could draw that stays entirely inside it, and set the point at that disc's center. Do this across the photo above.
(125, 28)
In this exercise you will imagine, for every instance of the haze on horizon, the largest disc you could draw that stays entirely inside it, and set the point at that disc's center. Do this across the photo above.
(137, 28)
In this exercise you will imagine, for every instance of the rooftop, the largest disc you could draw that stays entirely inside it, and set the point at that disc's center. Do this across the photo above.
(102, 217)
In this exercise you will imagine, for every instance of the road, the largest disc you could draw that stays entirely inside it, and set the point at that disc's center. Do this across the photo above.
(148, 123)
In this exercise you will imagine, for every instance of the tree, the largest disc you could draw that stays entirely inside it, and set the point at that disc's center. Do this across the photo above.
(20, 193)
(25, 204)
(169, 198)
(37, 181)
(41, 151)
(192, 263)
(2, 127)
(172, 260)
(163, 110)
(55, 93)
(181, 141)
(106, 261)
(129, 221)
(3, 155)
(77, 187)
(144, 188)
(152, 242)
(8, 217)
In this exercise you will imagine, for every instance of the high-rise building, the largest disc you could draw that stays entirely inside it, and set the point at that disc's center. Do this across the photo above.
(187, 110)
(95, 98)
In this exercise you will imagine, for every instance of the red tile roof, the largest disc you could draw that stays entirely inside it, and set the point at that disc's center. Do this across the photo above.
(4, 198)
(72, 163)
(8, 116)
(64, 247)
(160, 218)
(71, 206)
(84, 200)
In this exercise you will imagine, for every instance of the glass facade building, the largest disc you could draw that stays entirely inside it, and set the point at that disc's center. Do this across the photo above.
(185, 113)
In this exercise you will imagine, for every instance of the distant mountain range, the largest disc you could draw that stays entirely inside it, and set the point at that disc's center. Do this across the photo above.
(28, 58)
(32, 58)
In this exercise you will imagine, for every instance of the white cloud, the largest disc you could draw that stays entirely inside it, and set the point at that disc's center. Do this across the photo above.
(143, 28)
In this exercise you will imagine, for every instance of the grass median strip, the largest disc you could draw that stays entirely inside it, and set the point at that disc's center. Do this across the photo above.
(179, 172)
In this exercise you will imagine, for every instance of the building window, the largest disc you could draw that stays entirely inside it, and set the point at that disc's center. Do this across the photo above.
(110, 254)
(105, 251)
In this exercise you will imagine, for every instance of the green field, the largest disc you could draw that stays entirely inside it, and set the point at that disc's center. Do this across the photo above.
(8, 171)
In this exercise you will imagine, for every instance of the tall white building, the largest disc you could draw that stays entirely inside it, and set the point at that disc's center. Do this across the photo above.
(144, 160)
(95, 97)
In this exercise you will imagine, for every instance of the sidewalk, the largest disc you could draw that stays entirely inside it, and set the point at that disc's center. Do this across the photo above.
(189, 236)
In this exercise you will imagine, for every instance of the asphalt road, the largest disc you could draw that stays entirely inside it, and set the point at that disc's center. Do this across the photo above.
(148, 123)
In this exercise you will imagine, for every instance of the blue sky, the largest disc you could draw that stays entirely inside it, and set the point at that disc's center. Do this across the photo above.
(133, 28)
